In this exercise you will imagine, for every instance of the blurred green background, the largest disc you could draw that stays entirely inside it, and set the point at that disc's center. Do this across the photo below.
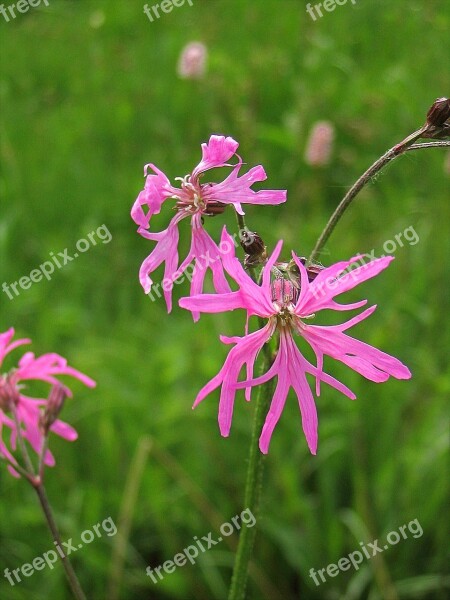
(89, 94)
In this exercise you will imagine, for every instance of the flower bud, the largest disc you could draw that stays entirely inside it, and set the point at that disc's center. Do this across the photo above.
(254, 248)
(53, 407)
(251, 243)
(439, 112)
(8, 394)
(312, 270)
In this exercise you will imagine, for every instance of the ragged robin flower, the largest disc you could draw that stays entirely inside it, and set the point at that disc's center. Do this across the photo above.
(29, 410)
(195, 199)
(290, 307)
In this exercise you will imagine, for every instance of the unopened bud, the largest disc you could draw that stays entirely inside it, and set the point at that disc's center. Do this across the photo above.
(251, 242)
(439, 112)
(254, 248)
(312, 270)
(8, 394)
(53, 407)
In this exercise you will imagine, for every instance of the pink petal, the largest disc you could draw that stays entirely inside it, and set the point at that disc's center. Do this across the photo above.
(278, 400)
(165, 250)
(256, 299)
(370, 362)
(238, 189)
(245, 350)
(64, 430)
(215, 153)
(335, 280)
(6, 347)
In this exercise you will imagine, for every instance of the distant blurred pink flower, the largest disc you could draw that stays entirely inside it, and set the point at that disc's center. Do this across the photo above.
(320, 144)
(289, 308)
(447, 164)
(192, 61)
(44, 368)
(196, 200)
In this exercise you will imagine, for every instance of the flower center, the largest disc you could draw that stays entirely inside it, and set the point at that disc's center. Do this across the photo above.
(192, 198)
(284, 297)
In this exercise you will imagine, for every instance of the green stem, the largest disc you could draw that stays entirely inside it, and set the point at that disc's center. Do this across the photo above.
(255, 468)
(70, 573)
(37, 483)
(365, 178)
(253, 489)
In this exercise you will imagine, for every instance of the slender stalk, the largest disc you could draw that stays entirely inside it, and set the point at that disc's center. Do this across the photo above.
(365, 178)
(38, 485)
(70, 573)
(255, 469)
(42, 454)
(252, 495)
(23, 449)
(428, 145)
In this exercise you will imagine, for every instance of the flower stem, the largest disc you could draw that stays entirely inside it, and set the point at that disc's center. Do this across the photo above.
(253, 487)
(440, 144)
(38, 485)
(70, 573)
(255, 467)
(365, 178)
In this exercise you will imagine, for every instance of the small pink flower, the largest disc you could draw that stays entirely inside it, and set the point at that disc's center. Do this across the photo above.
(289, 306)
(320, 144)
(196, 200)
(192, 61)
(44, 368)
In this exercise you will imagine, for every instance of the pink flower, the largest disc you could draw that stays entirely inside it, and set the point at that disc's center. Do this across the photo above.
(45, 368)
(192, 61)
(289, 305)
(320, 144)
(196, 200)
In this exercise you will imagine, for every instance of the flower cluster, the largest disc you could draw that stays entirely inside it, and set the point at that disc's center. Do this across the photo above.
(286, 297)
(18, 410)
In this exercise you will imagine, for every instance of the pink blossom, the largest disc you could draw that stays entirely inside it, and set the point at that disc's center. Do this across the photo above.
(196, 200)
(320, 144)
(192, 61)
(45, 368)
(290, 305)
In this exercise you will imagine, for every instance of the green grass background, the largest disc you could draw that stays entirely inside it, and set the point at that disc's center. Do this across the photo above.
(89, 93)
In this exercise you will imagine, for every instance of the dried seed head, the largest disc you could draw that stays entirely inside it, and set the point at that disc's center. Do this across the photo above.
(439, 112)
